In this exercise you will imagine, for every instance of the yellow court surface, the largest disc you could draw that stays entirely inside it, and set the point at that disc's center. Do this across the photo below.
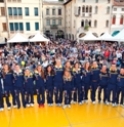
(86, 115)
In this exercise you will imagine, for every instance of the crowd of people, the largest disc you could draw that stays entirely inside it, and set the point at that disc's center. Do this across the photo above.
(64, 73)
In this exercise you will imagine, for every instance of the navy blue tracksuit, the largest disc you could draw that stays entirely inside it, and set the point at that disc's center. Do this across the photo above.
(1, 94)
(78, 86)
(68, 84)
(28, 89)
(40, 88)
(8, 88)
(58, 85)
(94, 82)
(103, 83)
(120, 89)
(112, 86)
(87, 82)
(49, 88)
(18, 88)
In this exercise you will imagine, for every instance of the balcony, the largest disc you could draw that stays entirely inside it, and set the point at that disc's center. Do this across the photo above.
(54, 26)
(86, 15)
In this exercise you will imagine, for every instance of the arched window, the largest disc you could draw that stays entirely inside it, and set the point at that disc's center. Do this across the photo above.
(95, 23)
(86, 8)
(108, 10)
(89, 23)
(90, 9)
(96, 10)
(121, 20)
(114, 19)
(79, 9)
(107, 23)
(83, 9)
(82, 23)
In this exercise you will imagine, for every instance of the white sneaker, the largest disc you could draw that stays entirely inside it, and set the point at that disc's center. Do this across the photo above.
(69, 106)
(27, 105)
(65, 106)
(94, 102)
(49, 105)
(14, 106)
(114, 104)
(80, 103)
(32, 105)
(107, 103)
(86, 101)
(60, 105)
(2, 109)
(8, 108)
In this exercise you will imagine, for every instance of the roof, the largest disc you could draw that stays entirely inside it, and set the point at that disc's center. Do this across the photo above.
(53, 2)
(67, 2)
(118, 3)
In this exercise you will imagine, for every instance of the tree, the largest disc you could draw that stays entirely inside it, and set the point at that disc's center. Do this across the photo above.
(86, 27)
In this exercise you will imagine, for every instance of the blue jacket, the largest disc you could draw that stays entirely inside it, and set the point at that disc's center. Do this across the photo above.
(120, 81)
(58, 78)
(87, 77)
(113, 78)
(95, 75)
(104, 77)
(8, 80)
(49, 81)
(28, 82)
(18, 80)
(68, 84)
(0, 83)
(39, 80)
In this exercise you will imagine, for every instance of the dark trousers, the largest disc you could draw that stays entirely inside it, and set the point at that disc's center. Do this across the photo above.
(40, 95)
(102, 88)
(111, 89)
(58, 94)
(80, 93)
(86, 89)
(120, 91)
(49, 93)
(18, 92)
(8, 92)
(29, 96)
(93, 92)
(75, 95)
(1, 100)
(67, 96)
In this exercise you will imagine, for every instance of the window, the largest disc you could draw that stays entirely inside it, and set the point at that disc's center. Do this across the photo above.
(60, 22)
(83, 9)
(1, 1)
(20, 11)
(122, 9)
(2, 11)
(107, 23)
(114, 19)
(27, 26)
(36, 11)
(82, 23)
(90, 9)
(97, 1)
(16, 26)
(95, 23)
(15, 11)
(4, 26)
(11, 25)
(108, 1)
(83, 0)
(121, 20)
(115, 9)
(10, 11)
(36, 25)
(59, 11)
(87, 9)
(47, 11)
(26, 11)
(21, 26)
(96, 10)
(89, 23)
(53, 21)
(108, 10)
(48, 22)
(53, 11)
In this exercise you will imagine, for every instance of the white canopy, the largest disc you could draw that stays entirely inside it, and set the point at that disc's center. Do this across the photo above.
(18, 38)
(88, 37)
(106, 37)
(119, 36)
(2, 40)
(39, 38)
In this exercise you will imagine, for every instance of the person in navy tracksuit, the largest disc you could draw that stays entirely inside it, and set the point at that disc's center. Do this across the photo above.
(94, 80)
(28, 88)
(78, 85)
(68, 83)
(1, 95)
(112, 84)
(58, 82)
(49, 76)
(8, 85)
(40, 85)
(120, 88)
(103, 83)
(87, 77)
(18, 85)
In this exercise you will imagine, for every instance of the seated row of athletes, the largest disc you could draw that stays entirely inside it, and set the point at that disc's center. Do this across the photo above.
(68, 84)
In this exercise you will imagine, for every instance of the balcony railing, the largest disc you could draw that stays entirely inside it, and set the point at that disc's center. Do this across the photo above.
(86, 15)
(54, 26)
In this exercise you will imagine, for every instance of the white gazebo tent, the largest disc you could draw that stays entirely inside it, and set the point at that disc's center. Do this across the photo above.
(106, 37)
(39, 38)
(119, 36)
(89, 37)
(18, 38)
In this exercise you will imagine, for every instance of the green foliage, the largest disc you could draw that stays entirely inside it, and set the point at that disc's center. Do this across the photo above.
(86, 27)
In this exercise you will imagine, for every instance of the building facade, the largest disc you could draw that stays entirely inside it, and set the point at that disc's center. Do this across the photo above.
(53, 18)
